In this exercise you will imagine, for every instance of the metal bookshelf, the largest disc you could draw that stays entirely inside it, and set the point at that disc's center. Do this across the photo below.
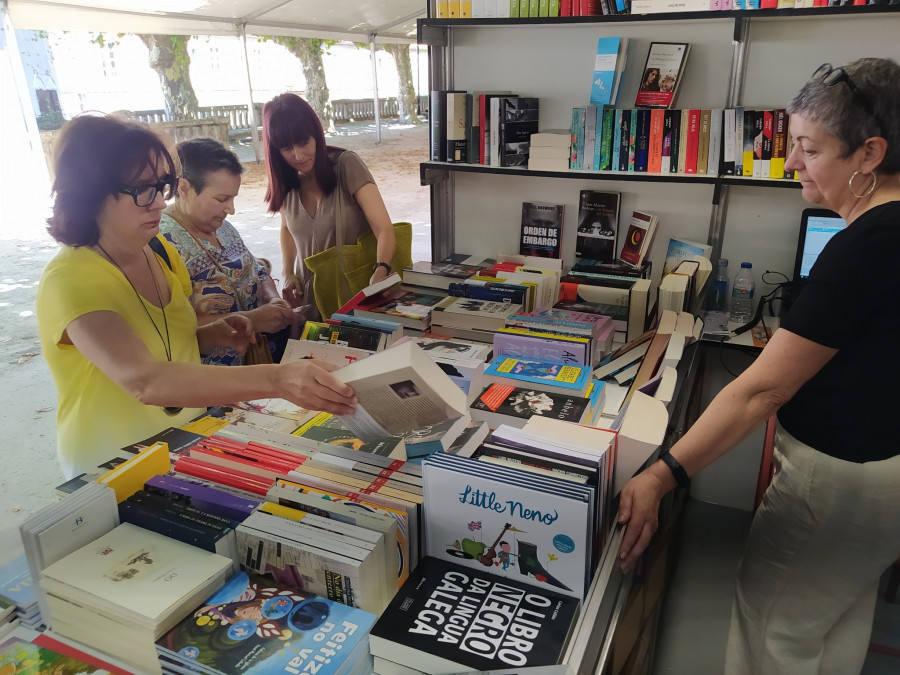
(452, 184)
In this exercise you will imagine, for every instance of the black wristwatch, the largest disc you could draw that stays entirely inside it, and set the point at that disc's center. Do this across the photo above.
(381, 264)
(677, 470)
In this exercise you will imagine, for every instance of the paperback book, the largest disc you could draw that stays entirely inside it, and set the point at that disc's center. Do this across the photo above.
(472, 313)
(544, 375)
(541, 233)
(503, 404)
(437, 274)
(608, 66)
(519, 118)
(598, 223)
(463, 633)
(398, 390)
(399, 304)
(680, 249)
(662, 74)
(640, 233)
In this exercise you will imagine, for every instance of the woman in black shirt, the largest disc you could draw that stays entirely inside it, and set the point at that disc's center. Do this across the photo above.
(829, 524)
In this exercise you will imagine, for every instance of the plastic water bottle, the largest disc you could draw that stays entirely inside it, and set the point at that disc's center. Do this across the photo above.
(742, 294)
(718, 301)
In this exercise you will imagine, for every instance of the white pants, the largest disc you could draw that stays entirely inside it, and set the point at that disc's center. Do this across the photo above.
(807, 584)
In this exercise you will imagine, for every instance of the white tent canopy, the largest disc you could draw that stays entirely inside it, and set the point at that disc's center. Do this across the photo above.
(384, 20)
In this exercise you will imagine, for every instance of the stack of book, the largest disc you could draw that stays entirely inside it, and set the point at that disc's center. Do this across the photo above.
(437, 275)
(122, 592)
(17, 585)
(504, 404)
(598, 327)
(467, 317)
(48, 534)
(254, 625)
(549, 151)
(531, 527)
(462, 360)
(337, 560)
(169, 516)
(8, 619)
(544, 375)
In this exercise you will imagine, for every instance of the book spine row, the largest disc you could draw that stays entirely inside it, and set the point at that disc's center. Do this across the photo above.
(486, 9)
(481, 127)
(714, 142)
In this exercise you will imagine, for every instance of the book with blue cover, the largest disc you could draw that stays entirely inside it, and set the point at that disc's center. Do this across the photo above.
(255, 625)
(546, 375)
(608, 66)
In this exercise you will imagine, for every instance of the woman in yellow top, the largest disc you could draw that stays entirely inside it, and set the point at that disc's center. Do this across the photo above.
(116, 326)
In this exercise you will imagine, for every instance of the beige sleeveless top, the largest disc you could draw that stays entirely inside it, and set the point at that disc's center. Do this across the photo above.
(315, 233)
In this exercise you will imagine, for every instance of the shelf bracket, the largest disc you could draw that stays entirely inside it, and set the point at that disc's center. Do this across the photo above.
(431, 35)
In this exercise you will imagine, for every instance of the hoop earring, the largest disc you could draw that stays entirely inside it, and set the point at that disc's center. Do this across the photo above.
(867, 192)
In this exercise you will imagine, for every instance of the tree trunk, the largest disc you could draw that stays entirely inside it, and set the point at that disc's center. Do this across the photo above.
(407, 100)
(169, 58)
(309, 52)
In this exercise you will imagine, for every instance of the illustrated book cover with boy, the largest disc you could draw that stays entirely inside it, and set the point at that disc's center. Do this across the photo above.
(253, 624)
(534, 529)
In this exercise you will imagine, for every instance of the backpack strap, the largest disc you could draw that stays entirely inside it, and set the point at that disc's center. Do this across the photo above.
(160, 250)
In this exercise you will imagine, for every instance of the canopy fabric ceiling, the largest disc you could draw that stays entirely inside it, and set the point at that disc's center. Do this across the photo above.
(357, 20)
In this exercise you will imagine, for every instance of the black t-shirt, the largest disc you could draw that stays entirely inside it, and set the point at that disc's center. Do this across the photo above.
(850, 302)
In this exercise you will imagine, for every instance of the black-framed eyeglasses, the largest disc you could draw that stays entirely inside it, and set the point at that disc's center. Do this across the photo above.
(830, 76)
(143, 195)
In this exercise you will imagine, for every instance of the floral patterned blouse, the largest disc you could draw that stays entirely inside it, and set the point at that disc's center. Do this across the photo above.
(213, 293)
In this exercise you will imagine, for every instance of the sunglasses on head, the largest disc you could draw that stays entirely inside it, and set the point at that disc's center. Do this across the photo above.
(830, 76)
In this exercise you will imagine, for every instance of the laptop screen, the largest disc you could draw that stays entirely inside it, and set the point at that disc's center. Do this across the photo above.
(816, 229)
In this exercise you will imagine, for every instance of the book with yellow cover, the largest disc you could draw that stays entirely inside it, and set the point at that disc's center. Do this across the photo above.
(130, 476)
(544, 375)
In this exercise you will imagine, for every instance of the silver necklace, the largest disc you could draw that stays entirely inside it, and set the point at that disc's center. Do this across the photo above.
(167, 341)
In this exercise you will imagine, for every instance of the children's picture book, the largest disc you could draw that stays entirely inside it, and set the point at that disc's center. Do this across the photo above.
(533, 529)
(640, 233)
(598, 223)
(541, 233)
(256, 625)
(608, 66)
(411, 630)
(662, 74)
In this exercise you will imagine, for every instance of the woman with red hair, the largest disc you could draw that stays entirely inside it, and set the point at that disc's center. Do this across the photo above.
(307, 179)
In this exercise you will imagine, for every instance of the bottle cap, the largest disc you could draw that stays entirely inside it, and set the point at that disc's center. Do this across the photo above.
(747, 265)
(723, 262)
